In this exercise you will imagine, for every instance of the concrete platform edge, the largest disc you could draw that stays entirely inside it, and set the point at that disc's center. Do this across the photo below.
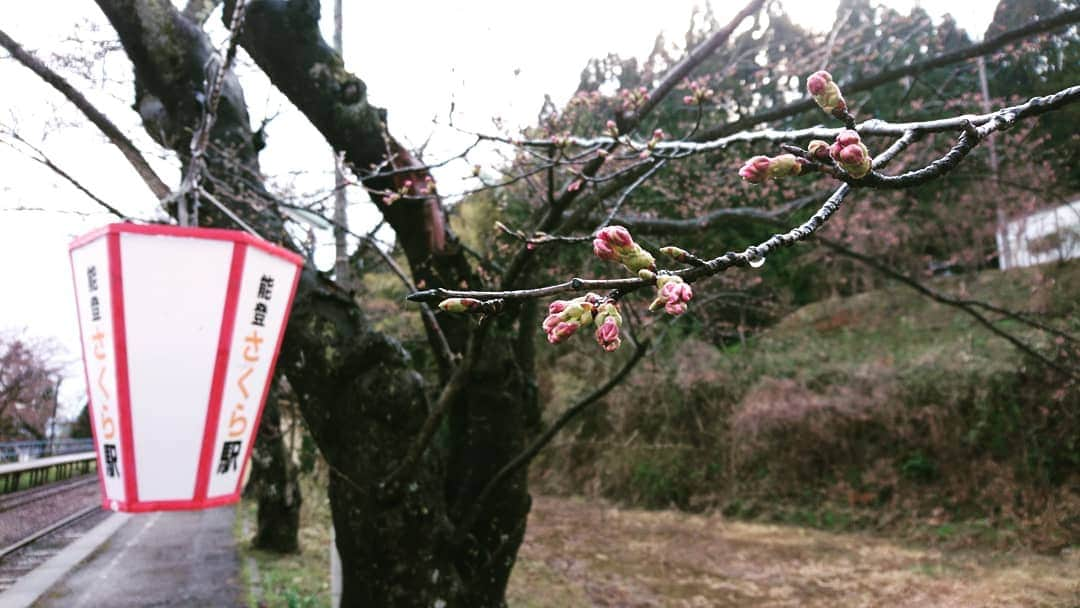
(29, 588)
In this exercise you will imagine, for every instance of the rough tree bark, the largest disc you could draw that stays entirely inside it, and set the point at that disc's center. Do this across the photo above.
(362, 399)
(274, 483)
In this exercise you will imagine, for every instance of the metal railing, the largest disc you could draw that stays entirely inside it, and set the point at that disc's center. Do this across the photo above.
(22, 451)
(17, 476)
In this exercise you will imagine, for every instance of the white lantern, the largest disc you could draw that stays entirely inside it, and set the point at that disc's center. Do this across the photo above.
(180, 332)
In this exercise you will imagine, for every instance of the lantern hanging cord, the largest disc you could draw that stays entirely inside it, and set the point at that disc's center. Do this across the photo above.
(190, 186)
(229, 212)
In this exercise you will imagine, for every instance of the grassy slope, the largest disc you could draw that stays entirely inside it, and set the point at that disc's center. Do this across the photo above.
(884, 409)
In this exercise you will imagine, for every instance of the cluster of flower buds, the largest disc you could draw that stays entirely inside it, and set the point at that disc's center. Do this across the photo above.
(633, 98)
(825, 93)
(615, 244)
(608, 322)
(760, 168)
(672, 295)
(567, 316)
(850, 153)
(699, 94)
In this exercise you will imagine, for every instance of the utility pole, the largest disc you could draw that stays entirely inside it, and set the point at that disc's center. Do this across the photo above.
(1002, 236)
(342, 272)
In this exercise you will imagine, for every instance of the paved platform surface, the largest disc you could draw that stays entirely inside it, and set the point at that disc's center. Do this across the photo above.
(184, 558)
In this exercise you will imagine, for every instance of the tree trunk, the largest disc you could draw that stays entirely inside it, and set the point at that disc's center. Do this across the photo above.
(275, 484)
(360, 396)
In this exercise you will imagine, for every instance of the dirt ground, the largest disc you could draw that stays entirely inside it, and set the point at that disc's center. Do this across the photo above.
(580, 554)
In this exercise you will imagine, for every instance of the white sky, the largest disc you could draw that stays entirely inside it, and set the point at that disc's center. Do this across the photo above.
(493, 58)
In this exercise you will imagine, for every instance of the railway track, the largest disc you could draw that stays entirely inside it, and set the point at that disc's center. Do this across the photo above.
(37, 523)
(25, 497)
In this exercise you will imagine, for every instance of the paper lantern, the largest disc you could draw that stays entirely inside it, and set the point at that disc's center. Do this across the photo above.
(180, 329)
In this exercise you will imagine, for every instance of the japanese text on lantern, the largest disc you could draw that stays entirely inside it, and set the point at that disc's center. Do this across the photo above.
(249, 351)
(99, 349)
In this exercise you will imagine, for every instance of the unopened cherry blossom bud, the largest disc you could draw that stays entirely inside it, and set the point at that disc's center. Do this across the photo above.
(607, 335)
(755, 170)
(460, 304)
(618, 236)
(614, 243)
(825, 92)
(604, 250)
(562, 331)
(608, 322)
(612, 128)
(676, 253)
(646, 275)
(818, 149)
(672, 295)
(851, 154)
(760, 168)
(566, 316)
(848, 137)
(557, 306)
(784, 165)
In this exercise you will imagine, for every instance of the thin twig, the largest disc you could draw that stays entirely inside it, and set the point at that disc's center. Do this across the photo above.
(449, 394)
(525, 457)
(115, 135)
(45, 160)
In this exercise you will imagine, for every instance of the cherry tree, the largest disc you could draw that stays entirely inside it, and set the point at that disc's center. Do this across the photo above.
(428, 484)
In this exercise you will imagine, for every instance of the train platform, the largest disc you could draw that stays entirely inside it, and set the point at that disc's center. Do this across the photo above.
(180, 558)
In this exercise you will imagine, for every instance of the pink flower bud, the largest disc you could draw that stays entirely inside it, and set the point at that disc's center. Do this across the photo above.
(557, 306)
(658, 134)
(604, 251)
(848, 137)
(562, 331)
(688, 100)
(550, 322)
(607, 335)
(672, 296)
(826, 94)
(675, 253)
(761, 168)
(618, 236)
(460, 304)
(615, 244)
(755, 170)
(817, 82)
(818, 149)
(852, 155)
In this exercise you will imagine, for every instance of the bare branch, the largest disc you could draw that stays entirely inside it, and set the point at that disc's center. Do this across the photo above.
(524, 458)
(117, 137)
(986, 47)
(46, 161)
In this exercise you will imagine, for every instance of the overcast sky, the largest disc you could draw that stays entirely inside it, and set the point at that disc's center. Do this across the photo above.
(489, 58)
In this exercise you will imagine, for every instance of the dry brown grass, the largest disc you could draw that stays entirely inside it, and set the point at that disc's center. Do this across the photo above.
(579, 553)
